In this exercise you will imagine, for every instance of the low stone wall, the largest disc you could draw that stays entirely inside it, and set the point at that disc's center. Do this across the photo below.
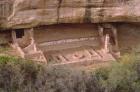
(68, 41)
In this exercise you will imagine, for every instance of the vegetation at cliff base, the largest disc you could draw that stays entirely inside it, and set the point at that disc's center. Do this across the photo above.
(18, 75)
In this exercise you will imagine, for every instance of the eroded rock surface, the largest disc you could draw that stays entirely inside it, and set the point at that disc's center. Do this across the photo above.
(29, 13)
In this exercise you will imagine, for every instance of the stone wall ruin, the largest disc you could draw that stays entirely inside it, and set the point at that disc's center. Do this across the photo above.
(68, 43)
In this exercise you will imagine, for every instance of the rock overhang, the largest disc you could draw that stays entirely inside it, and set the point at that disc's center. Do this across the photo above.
(31, 13)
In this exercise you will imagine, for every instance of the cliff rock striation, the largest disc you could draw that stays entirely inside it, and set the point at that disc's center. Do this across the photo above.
(30, 13)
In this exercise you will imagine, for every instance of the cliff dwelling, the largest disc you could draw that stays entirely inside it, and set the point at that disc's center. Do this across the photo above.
(67, 43)
(69, 31)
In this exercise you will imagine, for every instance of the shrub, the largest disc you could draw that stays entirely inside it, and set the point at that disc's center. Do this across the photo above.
(18, 75)
(122, 76)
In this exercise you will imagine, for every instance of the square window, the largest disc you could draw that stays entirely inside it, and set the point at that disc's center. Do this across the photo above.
(19, 33)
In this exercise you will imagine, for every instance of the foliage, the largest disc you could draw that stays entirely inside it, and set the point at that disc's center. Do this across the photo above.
(18, 75)
(122, 76)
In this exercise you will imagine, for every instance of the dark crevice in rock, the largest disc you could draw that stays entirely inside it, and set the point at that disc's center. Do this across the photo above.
(87, 17)
(58, 10)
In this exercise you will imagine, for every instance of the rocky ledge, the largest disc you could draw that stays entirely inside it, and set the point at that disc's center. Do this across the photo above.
(30, 13)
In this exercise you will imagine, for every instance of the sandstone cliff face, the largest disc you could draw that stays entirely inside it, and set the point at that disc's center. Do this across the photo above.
(29, 13)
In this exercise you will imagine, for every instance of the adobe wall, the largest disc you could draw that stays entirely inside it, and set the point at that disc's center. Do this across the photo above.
(25, 40)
